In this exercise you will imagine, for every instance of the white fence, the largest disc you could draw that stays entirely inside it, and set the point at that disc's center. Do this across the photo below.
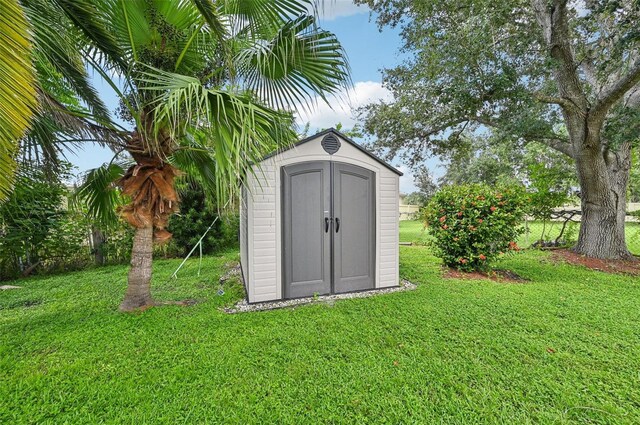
(409, 212)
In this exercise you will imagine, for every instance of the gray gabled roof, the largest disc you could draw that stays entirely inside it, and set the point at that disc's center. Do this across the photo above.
(341, 136)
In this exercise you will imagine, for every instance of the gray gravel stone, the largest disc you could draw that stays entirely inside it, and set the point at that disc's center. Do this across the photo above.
(244, 307)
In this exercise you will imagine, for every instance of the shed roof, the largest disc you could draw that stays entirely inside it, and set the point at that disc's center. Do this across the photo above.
(342, 137)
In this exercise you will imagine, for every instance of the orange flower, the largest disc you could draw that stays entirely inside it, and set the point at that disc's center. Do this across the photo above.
(482, 257)
(493, 208)
(480, 220)
(462, 260)
(443, 218)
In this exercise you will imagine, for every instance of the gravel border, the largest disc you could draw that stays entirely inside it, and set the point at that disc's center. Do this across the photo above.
(244, 307)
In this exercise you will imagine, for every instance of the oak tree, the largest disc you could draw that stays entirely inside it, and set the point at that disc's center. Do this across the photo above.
(562, 73)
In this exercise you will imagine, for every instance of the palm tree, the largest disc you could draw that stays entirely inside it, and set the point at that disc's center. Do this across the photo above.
(207, 85)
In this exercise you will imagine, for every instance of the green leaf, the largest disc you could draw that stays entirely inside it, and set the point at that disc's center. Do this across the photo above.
(99, 193)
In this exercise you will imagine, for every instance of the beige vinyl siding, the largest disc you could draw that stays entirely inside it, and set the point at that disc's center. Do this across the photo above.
(264, 280)
(262, 246)
(388, 266)
(244, 237)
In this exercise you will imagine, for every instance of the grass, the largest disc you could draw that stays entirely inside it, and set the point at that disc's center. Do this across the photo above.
(564, 348)
(413, 231)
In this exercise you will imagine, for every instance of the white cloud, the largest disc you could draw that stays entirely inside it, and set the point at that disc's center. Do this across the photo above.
(333, 9)
(341, 108)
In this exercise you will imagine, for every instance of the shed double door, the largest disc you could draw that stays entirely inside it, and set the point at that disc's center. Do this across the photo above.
(328, 223)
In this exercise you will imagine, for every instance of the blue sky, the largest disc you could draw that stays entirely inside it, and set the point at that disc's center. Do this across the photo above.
(368, 50)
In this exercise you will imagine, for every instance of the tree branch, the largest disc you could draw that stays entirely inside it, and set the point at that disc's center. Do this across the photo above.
(560, 145)
(554, 141)
(632, 99)
(541, 97)
(615, 91)
(443, 127)
(555, 27)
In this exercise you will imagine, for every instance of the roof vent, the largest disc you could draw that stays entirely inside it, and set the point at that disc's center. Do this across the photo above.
(330, 144)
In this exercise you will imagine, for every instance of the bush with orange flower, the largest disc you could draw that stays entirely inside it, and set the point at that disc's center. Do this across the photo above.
(473, 224)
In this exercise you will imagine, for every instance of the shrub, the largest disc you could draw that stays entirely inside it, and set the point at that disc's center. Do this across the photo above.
(117, 244)
(196, 215)
(473, 224)
(39, 232)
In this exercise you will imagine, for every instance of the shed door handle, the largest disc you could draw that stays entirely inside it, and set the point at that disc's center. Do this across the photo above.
(337, 224)
(326, 224)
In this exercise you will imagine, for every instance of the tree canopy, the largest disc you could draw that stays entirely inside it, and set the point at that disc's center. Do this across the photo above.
(486, 64)
(557, 72)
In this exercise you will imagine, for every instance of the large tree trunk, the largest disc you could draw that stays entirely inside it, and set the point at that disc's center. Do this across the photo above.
(603, 173)
(138, 294)
(603, 180)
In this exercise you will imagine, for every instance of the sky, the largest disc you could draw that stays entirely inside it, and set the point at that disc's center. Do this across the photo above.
(368, 51)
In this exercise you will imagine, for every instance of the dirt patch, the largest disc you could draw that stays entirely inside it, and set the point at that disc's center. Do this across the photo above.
(608, 266)
(503, 276)
(22, 304)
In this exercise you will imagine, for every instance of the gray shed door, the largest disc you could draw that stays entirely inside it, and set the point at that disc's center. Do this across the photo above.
(354, 233)
(306, 237)
(328, 228)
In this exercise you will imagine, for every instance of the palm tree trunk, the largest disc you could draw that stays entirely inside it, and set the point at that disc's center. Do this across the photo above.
(97, 240)
(138, 294)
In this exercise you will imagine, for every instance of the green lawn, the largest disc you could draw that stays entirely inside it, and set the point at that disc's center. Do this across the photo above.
(564, 348)
(413, 231)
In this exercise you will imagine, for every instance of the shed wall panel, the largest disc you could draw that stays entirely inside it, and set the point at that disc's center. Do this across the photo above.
(243, 235)
(388, 221)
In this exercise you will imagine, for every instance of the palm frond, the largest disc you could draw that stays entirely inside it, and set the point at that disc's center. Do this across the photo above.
(82, 126)
(57, 42)
(235, 128)
(84, 15)
(130, 28)
(302, 61)
(57, 130)
(197, 161)
(214, 18)
(258, 15)
(17, 87)
(99, 193)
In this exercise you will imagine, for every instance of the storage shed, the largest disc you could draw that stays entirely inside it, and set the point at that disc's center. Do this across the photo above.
(319, 218)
